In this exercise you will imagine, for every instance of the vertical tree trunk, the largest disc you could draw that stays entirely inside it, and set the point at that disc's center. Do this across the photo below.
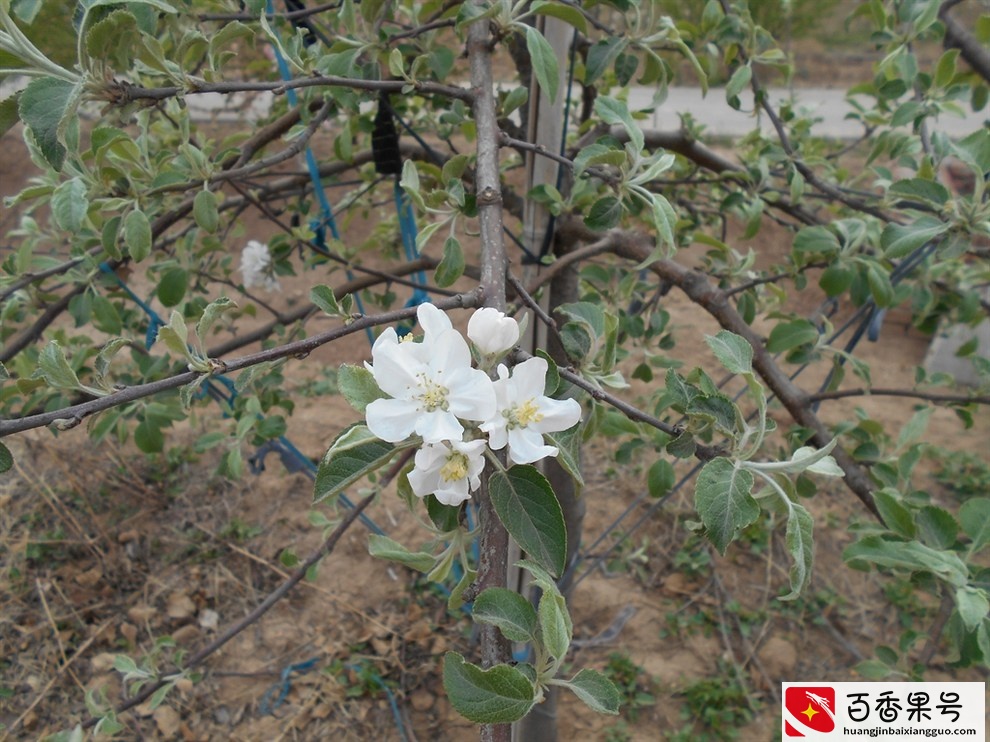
(494, 538)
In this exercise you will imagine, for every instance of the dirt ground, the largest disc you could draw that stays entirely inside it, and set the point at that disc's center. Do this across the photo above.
(105, 550)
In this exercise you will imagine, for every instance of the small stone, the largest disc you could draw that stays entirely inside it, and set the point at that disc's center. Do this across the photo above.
(140, 613)
(125, 537)
(186, 634)
(208, 619)
(180, 606)
(129, 632)
(422, 700)
(167, 720)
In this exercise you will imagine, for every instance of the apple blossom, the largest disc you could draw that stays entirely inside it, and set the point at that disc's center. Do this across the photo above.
(524, 413)
(492, 332)
(256, 267)
(450, 472)
(431, 383)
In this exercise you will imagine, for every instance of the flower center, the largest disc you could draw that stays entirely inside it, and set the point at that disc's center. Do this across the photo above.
(455, 468)
(525, 414)
(432, 395)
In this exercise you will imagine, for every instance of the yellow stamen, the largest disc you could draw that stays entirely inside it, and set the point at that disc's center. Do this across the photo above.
(527, 413)
(433, 396)
(455, 468)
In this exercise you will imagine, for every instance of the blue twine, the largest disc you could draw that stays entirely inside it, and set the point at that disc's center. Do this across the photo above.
(281, 690)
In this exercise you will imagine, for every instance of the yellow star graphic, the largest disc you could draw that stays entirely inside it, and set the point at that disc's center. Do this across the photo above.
(809, 712)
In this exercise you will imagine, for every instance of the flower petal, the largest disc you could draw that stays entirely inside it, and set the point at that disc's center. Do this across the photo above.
(394, 370)
(471, 394)
(392, 420)
(557, 415)
(433, 321)
(526, 446)
(437, 426)
(491, 331)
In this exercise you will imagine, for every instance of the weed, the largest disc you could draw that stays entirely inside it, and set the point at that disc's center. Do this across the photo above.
(964, 474)
(634, 685)
(239, 531)
(714, 709)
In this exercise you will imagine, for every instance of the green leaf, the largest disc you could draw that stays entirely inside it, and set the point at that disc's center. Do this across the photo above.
(205, 210)
(604, 214)
(8, 113)
(6, 459)
(515, 98)
(615, 112)
(451, 266)
(920, 189)
(529, 510)
(383, 547)
(509, 611)
(323, 297)
(801, 546)
(816, 240)
(214, 310)
(972, 605)
(358, 386)
(567, 13)
(894, 514)
(70, 204)
(937, 527)
(42, 105)
(175, 335)
(26, 10)
(498, 695)
(568, 443)
(600, 56)
(739, 80)
(544, 62)
(732, 351)
(352, 456)
(723, 500)
(597, 691)
(899, 240)
(660, 478)
(835, 280)
(911, 555)
(55, 368)
(172, 287)
(160, 4)
(793, 334)
(556, 628)
(974, 517)
(137, 234)
(148, 437)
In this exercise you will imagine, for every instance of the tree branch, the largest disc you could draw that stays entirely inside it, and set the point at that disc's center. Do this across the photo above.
(935, 397)
(697, 287)
(68, 417)
(957, 37)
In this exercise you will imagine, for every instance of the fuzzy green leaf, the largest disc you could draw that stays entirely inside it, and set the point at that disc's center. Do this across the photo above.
(597, 691)
(70, 204)
(451, 266)
(528, 508)
(509, 611)
(498, 695)
(732, 351)
(358, 386)
(137, 234)
(42, 105)
(724, 501)
(544, 62)
(352, 456)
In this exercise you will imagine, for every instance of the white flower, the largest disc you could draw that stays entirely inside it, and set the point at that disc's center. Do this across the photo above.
(524, 414)
(450, 472)
(431, 384)
(256, 267)
(492, 332)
